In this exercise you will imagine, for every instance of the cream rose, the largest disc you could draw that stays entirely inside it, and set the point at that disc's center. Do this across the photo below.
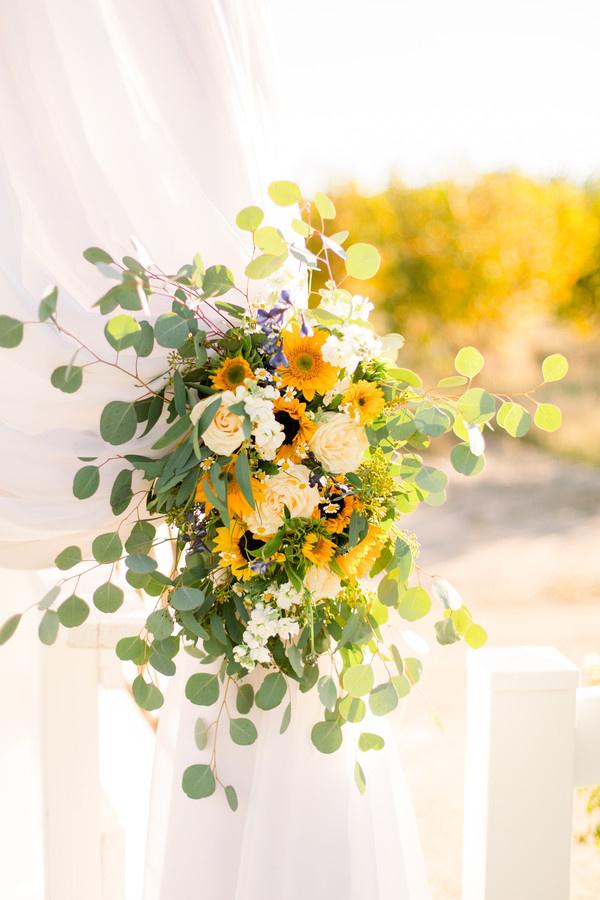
(290, 488)
(322, 583)
(339, 443)
(225, 433)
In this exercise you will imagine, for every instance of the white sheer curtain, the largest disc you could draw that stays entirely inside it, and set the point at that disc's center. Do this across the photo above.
(149, 118)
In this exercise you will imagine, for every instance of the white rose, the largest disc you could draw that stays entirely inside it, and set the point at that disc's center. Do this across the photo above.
(322, 583)
(290, 488)
(225, 433)
(339, 443)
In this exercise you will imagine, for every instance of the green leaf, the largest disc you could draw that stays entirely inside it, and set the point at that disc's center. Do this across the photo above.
(217, 281)
(295, 658)
(477, 406)
(265, 265)
(352, 709)
(548, 417)
(130, 648)
(362, 261)
(242, 474)
(170, 330)
(86, 482)
(231, 797)
(201, 734)
(9, 628)
(466, 462)
(186, 599)
(359, 777)
(383, 699)
(284, 193)
(514, 418)
(431, 480)
(387, 592)
(286, 719)
(96, 255)
(401, 685)
(68, 558)
(445, 632)
(11, 332)
(108, 598)
(141, 538)
(271, 692)
(143, 341)
(202, 688)
(245, 699)
(358, 680)
(432, 421)
(67, 378)
(300, 227)
(369, 741)
(118, 422)
(327, 692)
(73, 611)
(242, 731)
(47, 307)
(121, 331)
(162, 663)
(413, 669)
(140, 563)
(172, 434)
(160, 624)
(48, 627)
(324, 206)
(249, 218)
(269, 240)
(555, 367)
(146, 695)
(121, 494)
(414, 604)
(107, 548)
(327, 736)
(469, 362)
(198, 781)
(180, 394)
(475, 636)
(452, 381)
(49, 598)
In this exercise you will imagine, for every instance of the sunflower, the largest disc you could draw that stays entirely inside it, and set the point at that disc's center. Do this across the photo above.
(318, 549)
(297, 428)
(357, 561)
(234, 546)
(336, 512)
(231, 374)
(237, 505)
(366, 399)
(306, 369)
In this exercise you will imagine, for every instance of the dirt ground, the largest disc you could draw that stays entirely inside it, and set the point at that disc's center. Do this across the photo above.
(521, 542)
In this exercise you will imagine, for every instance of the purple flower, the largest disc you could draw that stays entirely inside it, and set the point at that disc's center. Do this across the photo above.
(306, 330)
(279, 359)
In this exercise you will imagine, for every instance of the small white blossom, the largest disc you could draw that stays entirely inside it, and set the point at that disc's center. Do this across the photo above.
(285, 596)
(343, 304)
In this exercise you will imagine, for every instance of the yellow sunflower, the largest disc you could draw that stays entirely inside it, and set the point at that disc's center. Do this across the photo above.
(366, 399)
(318, 549)
(231, 374)
(233, 545)
(337, 512)
(298, 429)
(357, 561)
(306, 371)
(237, 504)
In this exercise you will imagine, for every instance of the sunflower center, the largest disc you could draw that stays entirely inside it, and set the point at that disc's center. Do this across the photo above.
(249, 544)
(362, 401)
(236, 373)
(305, 362)
(291, 426)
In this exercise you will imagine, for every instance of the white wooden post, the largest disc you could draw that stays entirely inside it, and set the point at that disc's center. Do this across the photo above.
(83, 842)
(587, 737)
(519, 774)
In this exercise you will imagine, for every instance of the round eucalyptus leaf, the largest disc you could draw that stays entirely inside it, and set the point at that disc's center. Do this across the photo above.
(466, 462)
(49, 598)
(47, 307)
(369, 741)
(68, 558)
(284, 193)
(548, 417)
(141, 538)
(198, 781)
(242, 731)
(11, 332)
(73, 611)
(249, 218)
(555, 367)
(171, 331)
(202, 689)
(8, 629)
(362, 261)
(160, 624)
(383, 699)
(118, 422)
(432, 421)
(96, 255)
(131, 648)
(48, 627)
(327, 692)
(108, 597)
(401, 685)
(432, 480)
(358, 680)
(201, 734)
(232, 798)
(327, 736)
(469, 362)
(414, 604)
(387, 592)
(269, 240)
(477, 406)
(352, 709)
(245, 699)
(186, 599)
(475, 636)
(146, 695)
(264, 265)
(107, 548)
(325, 205)
(67, 378)
(86, 481)
(514, 418)
(271, 692)
(162, 664)
(122, 331)
(140, 563)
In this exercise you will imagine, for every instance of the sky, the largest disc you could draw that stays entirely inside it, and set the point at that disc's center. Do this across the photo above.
(436, 88)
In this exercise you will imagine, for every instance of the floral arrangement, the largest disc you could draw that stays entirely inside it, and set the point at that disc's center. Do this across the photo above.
(289, 447)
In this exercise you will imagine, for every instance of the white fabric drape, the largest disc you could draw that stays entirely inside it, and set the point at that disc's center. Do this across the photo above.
(148, 118)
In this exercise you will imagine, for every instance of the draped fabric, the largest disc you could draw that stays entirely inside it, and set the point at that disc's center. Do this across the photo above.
(149, 118)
